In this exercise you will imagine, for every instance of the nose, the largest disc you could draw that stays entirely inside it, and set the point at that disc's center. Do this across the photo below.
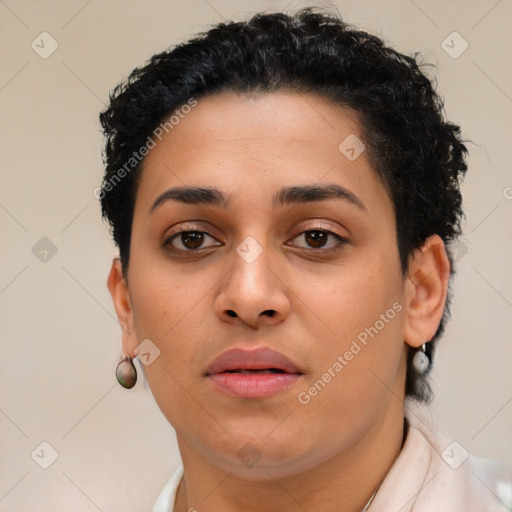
(253, 293)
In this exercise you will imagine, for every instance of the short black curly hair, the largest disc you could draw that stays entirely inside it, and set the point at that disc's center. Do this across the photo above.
(419, 156)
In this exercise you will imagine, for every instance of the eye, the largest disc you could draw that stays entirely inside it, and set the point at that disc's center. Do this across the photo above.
(189, 240)
(317, 239)
(194, 240)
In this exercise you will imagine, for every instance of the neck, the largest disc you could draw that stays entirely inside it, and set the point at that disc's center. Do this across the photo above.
(349, 477)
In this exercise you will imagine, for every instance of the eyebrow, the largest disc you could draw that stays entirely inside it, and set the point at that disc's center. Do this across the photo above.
(287, 195)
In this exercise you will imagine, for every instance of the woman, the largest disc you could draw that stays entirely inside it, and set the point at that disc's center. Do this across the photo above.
(283, 192)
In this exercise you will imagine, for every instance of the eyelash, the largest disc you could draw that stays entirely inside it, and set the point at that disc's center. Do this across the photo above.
(341, 241)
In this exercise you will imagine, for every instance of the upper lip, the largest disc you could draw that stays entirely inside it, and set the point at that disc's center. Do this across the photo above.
(260, 358)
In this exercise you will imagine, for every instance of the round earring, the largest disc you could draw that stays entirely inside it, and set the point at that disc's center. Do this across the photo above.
(421, 361)
(126, 373)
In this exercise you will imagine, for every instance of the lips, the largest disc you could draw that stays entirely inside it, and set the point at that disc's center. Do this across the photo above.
(260, 360)
(252, 374)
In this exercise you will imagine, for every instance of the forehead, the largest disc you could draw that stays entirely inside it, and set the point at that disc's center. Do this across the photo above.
(257, 144)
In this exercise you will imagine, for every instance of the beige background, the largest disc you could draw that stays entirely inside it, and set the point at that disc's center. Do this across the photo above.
(60, 340)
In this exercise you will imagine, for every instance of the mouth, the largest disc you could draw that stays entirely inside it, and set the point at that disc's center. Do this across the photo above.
(261, 370)
(256, 373)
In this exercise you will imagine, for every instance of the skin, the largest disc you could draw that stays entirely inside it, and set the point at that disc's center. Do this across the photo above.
(338, 447)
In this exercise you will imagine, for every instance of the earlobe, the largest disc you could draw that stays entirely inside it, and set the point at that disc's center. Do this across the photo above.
(119, 292)
(426, 291)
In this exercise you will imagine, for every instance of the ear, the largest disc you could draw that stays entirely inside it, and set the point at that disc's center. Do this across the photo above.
(118, 288)
(426, 290)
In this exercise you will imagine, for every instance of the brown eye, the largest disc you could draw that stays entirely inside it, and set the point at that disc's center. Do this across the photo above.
(188, 240)
(192, 239)
(318, 238)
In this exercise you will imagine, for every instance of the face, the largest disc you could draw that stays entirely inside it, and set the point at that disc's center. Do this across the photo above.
(299, 256)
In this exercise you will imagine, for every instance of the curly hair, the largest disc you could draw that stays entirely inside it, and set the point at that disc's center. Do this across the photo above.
(418, 155)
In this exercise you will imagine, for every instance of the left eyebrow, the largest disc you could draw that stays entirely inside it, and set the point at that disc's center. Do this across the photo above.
(310, 193)
(287, 195)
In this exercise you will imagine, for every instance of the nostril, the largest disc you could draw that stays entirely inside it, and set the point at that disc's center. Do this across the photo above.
(231, 313)
(269, 312)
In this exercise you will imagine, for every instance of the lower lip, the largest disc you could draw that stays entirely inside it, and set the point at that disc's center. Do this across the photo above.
(256, 385)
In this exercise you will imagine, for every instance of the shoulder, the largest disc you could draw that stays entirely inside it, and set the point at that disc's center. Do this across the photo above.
(434, 473)
(495, 477)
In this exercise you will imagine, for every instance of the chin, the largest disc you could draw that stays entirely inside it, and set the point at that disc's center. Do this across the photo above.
(263, 457)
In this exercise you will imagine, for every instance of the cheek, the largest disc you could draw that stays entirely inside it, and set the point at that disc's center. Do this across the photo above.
(359, 371)
(167, 311)
(160, 297)
(364, 340)
(365, 298)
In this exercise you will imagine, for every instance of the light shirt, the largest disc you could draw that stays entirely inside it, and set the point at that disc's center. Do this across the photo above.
(432, 473)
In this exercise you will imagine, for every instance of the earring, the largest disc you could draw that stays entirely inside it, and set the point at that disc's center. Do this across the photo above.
(421, 360)
(126, 373)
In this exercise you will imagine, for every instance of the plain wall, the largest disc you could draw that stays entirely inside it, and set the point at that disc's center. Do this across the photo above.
(60, 340)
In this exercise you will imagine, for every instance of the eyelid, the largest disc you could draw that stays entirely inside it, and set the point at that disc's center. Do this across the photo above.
(323, 225)
(318, 225)
(167, 239)
(186, 227)
(340, 240)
